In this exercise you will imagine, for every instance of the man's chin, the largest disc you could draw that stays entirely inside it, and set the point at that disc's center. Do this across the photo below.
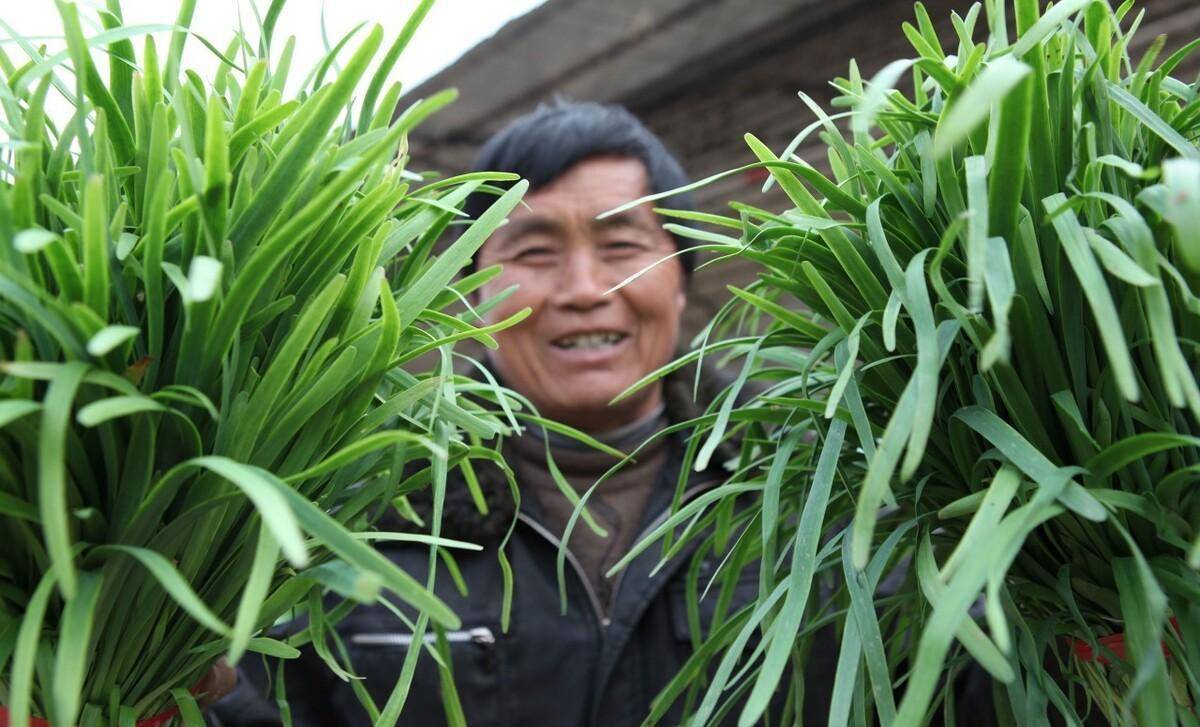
(595, 392)
(594, 410)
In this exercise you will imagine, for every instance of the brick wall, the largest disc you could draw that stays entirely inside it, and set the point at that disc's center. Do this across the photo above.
(740, 82)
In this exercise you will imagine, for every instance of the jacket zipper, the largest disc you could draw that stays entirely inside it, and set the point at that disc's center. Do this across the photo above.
(687, 495)
(541, 530)
(603, 616)
(479, 635)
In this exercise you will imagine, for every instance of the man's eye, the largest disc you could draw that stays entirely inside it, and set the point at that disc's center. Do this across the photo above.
(623, 246)
(534, 254)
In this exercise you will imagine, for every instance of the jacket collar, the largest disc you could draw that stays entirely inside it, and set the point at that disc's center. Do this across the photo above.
(461, 518)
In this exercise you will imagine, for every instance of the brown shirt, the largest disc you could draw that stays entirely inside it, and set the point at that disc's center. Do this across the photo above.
(617, 505)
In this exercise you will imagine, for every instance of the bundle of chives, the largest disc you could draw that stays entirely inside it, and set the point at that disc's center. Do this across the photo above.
(201, 399)
(986, 397)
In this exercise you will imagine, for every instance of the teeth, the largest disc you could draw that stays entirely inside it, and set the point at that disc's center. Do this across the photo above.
(589, 340)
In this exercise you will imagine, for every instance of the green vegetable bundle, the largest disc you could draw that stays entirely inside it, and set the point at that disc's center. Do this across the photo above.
(201, 399)
(978, 444)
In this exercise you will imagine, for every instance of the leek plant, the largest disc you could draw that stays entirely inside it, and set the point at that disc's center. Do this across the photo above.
(976, 441)
(202, 405)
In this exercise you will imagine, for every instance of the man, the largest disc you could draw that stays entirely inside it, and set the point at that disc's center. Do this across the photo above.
(620, 640)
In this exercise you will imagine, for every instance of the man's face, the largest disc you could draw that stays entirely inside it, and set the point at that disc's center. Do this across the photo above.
(580, 348)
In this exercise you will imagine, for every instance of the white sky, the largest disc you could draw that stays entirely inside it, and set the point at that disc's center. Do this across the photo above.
(450, 29)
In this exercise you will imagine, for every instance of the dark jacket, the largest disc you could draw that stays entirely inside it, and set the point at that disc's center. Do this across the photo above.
(549, 669)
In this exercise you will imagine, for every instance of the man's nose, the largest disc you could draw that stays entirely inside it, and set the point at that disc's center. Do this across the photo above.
(583, 281)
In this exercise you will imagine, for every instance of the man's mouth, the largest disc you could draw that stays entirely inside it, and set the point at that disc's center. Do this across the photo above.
(596, 339)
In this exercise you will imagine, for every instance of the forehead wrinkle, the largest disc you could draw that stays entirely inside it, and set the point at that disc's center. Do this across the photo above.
(625, 219)
(514, 230)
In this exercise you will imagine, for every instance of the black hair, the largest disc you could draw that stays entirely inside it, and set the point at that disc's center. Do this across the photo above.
(544, 143)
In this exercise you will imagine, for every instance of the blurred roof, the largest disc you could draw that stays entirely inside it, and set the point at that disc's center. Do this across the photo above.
(631, 51)
(699, 73)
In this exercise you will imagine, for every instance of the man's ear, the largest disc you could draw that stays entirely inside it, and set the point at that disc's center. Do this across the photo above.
(681, 297)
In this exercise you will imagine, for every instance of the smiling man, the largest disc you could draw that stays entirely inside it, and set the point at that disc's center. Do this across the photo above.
(589, 338)
(582, 346)
(620, 640)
